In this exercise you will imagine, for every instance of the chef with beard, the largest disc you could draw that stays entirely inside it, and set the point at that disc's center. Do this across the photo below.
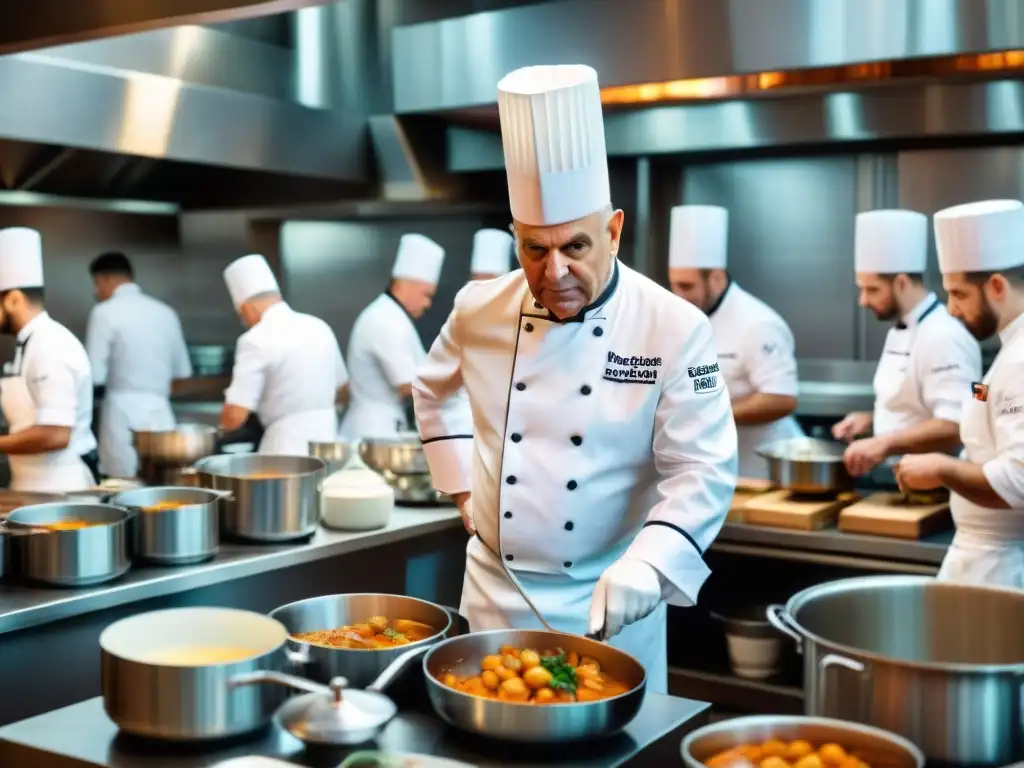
(755, 346)
(46, 392)
(598, 456)
(981, 255)
(929, 358)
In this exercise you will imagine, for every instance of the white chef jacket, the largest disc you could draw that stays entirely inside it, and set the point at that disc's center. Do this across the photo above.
(288, 368)
(925, 372)
(604, 436)
(384, 351)
(136, 348)
(49, 383)
(989, 544)
(757, 354)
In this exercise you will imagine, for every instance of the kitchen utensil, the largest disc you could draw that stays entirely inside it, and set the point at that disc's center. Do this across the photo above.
(754, 645)
(896, 515)
(356, 498)
(359, 667)
(401, 454)
(70, 558)
(785, 509)
(273, 498)
(953, 652)
(807, 465)
(879, 748)
(334, 455)
(178, 536)
(184, 444)
(146, 693)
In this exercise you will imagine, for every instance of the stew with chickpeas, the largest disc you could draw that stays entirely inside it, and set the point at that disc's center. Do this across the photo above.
(526, 676)
(775, 753)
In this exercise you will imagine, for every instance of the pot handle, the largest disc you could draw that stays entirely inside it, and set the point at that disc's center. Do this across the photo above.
(776, 614)
(829, 660)
(396, 667)
(264, 677)
(297, 657)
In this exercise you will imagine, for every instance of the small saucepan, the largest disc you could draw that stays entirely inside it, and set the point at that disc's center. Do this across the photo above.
(807, 465)
(173, 525)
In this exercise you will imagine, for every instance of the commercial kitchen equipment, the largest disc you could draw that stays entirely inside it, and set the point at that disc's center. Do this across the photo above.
(166, 455)
(188, 532)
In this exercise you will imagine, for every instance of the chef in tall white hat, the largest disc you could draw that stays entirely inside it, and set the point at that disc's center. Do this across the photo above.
(597, 458)
(755, 346)
(928, 358)
(492, 254)
(981, 255)
(288, 367)
(46, 391)
(385, 347)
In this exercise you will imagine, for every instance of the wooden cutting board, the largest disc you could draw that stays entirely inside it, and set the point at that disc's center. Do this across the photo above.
(747, 488)
(781, 509)
(886, 514)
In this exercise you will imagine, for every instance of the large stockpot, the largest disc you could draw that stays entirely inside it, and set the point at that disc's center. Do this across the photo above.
(397, 455)
(180, 446)
(189, 533)
(272, 498)
(939, 663)
(807, 465)
(70, 558)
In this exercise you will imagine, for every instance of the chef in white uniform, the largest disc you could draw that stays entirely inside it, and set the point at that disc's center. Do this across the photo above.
(755, 345)
(385, 347)
(46, 392)
(288, 366)
(137, 350)
(599, 455)
(492, 254)
(981, 255)
(929, 358)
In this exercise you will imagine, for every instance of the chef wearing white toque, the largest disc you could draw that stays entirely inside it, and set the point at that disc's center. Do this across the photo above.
(288, 366)
(929, 358)
(598, 455)
(385, 347)
(755, 345)
(46, 392)
(492, 254)
(981, 255)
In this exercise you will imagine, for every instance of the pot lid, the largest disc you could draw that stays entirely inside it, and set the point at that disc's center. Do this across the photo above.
(347, 717)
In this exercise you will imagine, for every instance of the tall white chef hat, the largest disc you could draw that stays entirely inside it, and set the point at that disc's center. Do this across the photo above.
(418, 258)
(890, 242)
(21, 258)
(249, 276)
(492, 252)
(552, 133)
(698, 237)
(980, 237)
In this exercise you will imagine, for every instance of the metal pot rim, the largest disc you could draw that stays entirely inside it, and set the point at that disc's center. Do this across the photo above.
(803, 597)
(126, 515)
(198, 465)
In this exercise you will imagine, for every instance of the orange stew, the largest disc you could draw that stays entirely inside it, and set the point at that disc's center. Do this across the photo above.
(67, 525)
(528, 677)
(163, 506)
(374, 634)
(780, 754)
(267, 475)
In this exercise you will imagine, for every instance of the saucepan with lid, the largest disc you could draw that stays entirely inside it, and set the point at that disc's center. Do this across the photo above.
(807, 465)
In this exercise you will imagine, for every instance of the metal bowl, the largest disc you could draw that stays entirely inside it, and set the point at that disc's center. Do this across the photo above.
(334, 455)
(807, 465)
(399, 455)
(182, 445)
(879, 748)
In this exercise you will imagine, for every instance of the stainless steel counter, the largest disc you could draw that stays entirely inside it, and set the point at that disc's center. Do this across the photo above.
(81, 735)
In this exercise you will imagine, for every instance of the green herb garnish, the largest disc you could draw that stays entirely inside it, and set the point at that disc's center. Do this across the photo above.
(563, 677)
(391, 634)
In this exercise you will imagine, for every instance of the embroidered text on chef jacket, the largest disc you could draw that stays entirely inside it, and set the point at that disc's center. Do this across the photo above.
(1004, 407)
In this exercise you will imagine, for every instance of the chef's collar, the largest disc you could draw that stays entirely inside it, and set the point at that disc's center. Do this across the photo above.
(916, 316)
(718, 302)
(1012, 330)
(401, 306)
(31, 325)
(579, 317)
(127, 288)
(275, 309)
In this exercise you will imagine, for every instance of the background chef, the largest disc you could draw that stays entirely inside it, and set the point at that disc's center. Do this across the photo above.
(594, 462)
(288, 366)
(137, 350)
(929, 358)
(46, 392)
(755, 346)
(385, 347)
(981, 255)
(492, 254)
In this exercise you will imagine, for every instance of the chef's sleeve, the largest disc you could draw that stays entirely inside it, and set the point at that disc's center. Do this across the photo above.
(53, 389)
(771, 359)
(340, 369)
(249, 375)
(947, 365)
(181, 365)
(99, 342)
(1005, 472)
(695, 454)
(443, 414)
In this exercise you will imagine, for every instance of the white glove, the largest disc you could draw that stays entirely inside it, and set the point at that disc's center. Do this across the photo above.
(627, 592)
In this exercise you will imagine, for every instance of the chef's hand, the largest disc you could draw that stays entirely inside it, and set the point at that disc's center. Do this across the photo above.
(861, 456)
(463, 502)
(854, 425)
(627, 592)
(920, 472)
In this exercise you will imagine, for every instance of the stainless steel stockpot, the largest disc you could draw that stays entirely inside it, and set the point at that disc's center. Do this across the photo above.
(398, 455)
(185, 534)
(182, 445)
(807, 465)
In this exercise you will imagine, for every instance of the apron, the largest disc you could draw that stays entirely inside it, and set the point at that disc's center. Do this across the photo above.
(372, 419)
(489, 601)
(121, 412)
(898, 401)
(53, 472)
(291, 435)
(988, 548)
